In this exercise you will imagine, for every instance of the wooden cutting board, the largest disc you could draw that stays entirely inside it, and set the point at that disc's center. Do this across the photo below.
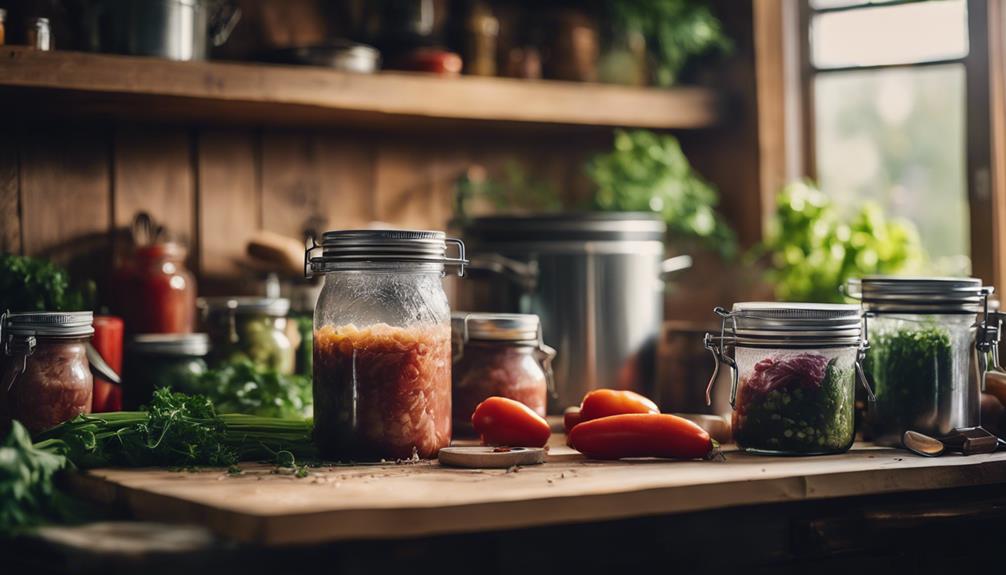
(407, 500)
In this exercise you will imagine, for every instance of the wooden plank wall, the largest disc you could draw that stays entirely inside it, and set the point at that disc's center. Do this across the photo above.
(70, 191)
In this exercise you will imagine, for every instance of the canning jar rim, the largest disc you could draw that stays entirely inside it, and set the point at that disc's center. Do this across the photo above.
(48, 324)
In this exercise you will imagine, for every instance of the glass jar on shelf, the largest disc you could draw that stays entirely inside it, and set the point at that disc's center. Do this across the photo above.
(498, 354)
(926, 336)
(45, 378)
(153, 361)
(249, 328)
(382, 344)
(154, 291)
(793, 371)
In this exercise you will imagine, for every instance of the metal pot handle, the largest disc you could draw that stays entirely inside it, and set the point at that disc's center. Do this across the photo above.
(524, 274)
(223, 21)
(675, 264)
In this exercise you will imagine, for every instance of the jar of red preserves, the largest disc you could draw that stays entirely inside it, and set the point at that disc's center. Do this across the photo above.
(155, 293)
(498, 354)
(382, 344)
(45, 378)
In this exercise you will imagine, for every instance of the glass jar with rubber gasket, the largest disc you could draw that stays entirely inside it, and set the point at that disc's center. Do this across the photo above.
(45, 378)
(382, 344)
(249, 328)
(924, 335)
(498, 354)
(793, 370)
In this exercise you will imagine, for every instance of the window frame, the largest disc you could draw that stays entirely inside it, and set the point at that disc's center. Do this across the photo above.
(988, 249)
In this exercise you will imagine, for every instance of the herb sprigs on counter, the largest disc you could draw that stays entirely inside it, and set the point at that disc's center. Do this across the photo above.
(177, 430)
(904, 365)
(800, 403)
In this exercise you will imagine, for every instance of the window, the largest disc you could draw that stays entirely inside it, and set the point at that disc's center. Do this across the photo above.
(887, 91)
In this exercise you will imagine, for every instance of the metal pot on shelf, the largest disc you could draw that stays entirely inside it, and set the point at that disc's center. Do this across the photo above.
(172, 29)
(596, 281)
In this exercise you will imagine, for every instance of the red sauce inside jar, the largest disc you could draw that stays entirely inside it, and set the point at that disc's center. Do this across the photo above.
(154, 292)
(498, 368)
(382, 392)
(56, 385)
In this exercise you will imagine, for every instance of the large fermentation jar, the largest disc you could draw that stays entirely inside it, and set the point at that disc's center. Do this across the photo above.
(382, 344)
(793, 375)
(923, 335)
(498, 354)
(45, 378)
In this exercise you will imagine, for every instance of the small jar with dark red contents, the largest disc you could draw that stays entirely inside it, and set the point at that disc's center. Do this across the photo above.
(382, 344)
(45, 378)
(498, 354)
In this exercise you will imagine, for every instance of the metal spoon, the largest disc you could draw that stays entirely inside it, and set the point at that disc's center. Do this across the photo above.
(921, 444)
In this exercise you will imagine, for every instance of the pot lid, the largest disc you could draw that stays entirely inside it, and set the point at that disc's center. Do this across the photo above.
(582, 226)
(495, 326)
(274, 307)
(49, 323)
(176, 344)
(919, 294)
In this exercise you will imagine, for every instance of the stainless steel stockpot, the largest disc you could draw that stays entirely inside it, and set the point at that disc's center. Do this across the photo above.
(595, 281)
(172, 29)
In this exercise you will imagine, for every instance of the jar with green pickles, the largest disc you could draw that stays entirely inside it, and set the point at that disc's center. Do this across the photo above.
(249, 328)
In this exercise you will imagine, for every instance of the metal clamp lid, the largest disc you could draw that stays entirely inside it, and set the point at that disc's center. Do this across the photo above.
(273, 307)
(894, 294)
(345, 249)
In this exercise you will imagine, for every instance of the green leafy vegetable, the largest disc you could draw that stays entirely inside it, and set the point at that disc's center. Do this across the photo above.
(647, 172)
(27, 494)
(812, 250)
(244, 387)
(33, 284)
(675, 30)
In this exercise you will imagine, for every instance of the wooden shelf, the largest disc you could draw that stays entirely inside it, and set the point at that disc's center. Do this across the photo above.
(71, 83)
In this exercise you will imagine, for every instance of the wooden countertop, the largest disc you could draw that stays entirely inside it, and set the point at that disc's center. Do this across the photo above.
(409, 500)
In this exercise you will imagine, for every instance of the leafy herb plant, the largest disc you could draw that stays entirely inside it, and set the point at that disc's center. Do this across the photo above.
(675, 30)
(33, 284)
(811, 249)
(647, 172)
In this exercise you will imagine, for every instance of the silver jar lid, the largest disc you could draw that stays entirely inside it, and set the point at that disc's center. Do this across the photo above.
(345, 249)
(507, 327)
(273, 307)
(49, 323)
(174, 344)
(919, 294)
(801, 323)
